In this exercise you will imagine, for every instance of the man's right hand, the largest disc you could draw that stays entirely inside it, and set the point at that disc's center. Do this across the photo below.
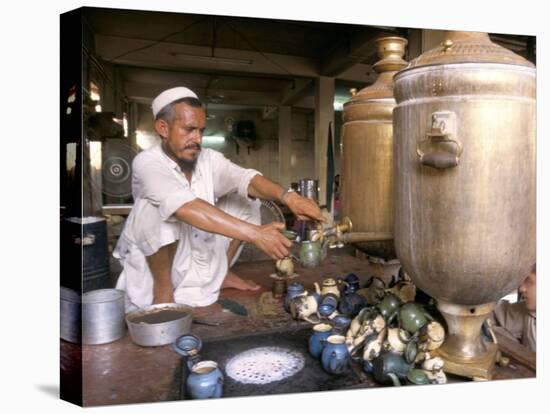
(271, 241)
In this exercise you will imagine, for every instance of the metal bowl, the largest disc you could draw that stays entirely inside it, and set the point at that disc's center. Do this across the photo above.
(159, 324)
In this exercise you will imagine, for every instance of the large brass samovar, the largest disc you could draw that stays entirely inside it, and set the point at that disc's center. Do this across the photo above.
(367, 166)
(464, 148)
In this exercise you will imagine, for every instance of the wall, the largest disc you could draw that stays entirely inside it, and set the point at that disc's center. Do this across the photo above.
(263, 154)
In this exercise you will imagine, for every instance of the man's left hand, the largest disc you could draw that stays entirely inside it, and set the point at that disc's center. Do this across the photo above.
(304, 208)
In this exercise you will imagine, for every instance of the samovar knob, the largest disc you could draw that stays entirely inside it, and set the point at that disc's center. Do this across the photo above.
(447, 44)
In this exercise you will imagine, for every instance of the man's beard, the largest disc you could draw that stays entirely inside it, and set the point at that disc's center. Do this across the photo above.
(185, 165)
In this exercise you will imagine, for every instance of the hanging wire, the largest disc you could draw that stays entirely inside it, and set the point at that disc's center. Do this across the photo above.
(157, 41)
(243, 37)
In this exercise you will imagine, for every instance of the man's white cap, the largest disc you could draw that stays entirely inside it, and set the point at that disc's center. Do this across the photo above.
(169, 96)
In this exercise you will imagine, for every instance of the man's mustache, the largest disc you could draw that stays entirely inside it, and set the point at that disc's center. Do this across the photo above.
(193, 146)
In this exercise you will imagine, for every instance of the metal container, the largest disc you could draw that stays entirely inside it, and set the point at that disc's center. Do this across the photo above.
(308, 187)
(367, 166)
(71, 315)
(85, 265)
(464, 226)
(159, 324)
(102, 316)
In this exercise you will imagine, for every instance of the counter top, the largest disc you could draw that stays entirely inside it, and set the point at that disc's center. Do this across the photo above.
(124, 373)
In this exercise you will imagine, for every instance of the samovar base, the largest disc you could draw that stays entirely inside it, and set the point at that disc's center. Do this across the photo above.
(478, 370)
(464, 351)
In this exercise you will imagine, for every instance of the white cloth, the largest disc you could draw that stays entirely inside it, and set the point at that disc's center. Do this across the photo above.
(160, 188)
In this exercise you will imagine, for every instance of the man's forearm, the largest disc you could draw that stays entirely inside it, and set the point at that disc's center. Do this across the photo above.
(265, 189)
(207, 217)
(304, 208)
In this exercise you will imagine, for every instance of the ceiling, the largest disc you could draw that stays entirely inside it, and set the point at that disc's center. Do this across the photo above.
(235, 61)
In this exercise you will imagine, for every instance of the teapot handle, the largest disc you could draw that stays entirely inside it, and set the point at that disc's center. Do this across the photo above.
(333, 361)
(391, 318)
(394, 379)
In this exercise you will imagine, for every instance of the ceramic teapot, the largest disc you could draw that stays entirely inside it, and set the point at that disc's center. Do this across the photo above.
(397, 340)
(432, 336)
(318, 339)
(433, 367)
(329, 285)
(374, 290)
(366, 323)
(285, 266)
(388, 367)
(341, 323)
(328, 304)
(335, 355)
(389, 306)
(351, 283)
(188, 346)
(304, 307)
(205, 380)
(293, 289)
(412, 317)
(417, 376)
(350, 304)
(311, 253)
(373, 346)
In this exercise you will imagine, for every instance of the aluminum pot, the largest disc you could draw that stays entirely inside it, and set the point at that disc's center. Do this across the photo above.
(71, 315)
(102, 316)
(367, 141)
(159, 324)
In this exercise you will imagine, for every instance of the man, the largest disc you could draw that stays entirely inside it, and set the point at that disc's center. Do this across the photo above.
(192, 208)
(520, 319)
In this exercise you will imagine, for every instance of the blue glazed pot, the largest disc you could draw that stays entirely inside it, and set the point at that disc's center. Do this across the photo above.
(205, 381)
(341, 323)
(328, 304)
(351, 304)
(335, 356)
(292, 290)
(352, 283)
(317, 341)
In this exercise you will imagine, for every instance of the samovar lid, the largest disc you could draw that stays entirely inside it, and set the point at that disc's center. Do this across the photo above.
(391, 50)
(468, 47)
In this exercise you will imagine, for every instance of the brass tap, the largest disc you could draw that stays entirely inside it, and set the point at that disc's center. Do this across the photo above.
(334, 235)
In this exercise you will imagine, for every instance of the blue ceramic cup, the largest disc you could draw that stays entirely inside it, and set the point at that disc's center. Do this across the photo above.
(335, 356)
(317, 341)
(205, 381)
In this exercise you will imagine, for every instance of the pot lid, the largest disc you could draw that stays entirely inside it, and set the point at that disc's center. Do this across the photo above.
(468, 47)
(391, 51)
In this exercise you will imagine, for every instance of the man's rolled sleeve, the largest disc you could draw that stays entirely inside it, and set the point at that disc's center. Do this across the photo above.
(244, 183)
(170, 204)
(229, 177)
